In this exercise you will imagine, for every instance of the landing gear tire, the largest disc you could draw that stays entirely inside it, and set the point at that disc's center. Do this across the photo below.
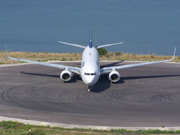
(89, 88)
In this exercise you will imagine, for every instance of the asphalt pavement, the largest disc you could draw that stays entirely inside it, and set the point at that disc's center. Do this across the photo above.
(145, 96)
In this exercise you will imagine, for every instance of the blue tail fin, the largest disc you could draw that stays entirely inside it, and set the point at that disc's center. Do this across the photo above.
(90, 33)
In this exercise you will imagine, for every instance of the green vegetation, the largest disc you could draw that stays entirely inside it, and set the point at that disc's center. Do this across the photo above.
(102, 51)
(16, 128)
(63, 59)
(36, 132)
(104, 55)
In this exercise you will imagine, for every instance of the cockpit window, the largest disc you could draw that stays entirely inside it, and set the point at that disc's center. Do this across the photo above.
(89, 73)
(86, 73)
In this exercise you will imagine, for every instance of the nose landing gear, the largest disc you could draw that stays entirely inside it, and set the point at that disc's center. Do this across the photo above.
(90, 88)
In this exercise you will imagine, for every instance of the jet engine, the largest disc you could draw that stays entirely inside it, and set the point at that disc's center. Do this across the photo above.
(114, 76)
(66, 75)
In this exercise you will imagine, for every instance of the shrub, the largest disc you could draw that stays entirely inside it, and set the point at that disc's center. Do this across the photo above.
(36, 132)
(152, 56)
(63, 59)
(102, 51)
(10, 124)
(118, 53)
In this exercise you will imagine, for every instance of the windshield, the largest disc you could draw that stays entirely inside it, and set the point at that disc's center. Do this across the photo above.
(89, 73)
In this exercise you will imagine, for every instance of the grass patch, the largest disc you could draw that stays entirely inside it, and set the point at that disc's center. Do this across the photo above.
(44, 57)
(16, 128)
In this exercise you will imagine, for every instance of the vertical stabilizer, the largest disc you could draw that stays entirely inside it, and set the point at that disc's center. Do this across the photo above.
(90, 33)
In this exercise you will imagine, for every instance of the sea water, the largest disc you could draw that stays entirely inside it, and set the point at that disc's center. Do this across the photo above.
(145, 26)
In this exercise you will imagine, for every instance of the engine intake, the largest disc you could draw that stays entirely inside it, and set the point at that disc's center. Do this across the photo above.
(66, 75)
(114, 76)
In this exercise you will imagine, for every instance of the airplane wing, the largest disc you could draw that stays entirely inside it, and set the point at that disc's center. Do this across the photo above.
(109, 69)
(72, 69)
(71, 44)
(107, 45)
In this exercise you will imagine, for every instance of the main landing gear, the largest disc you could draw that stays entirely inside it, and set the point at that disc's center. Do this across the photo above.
(90, 88)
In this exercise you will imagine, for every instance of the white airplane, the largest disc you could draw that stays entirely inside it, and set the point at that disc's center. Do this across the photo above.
(90, 70)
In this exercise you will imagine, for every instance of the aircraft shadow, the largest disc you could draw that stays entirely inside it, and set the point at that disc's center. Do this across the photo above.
(124, 79)
(111, 64)
(46, 75)
(101, 86)
(104, 83)
(147, 77)
(37, 74)
(106, 65)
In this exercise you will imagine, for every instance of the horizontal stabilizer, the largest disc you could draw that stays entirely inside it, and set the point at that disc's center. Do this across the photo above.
(71, 44)
(107, 45)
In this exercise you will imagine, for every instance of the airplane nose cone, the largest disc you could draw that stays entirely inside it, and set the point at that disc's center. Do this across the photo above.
(90, 81)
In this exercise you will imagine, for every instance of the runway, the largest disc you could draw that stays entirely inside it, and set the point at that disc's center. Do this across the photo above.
(146, 96)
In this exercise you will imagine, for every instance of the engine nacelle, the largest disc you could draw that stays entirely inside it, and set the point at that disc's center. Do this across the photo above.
(66, 75)
(114, 76)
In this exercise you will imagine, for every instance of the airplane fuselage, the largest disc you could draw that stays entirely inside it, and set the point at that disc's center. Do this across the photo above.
(90, 69)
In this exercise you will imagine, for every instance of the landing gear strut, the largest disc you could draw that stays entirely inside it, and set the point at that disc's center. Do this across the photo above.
(90, 88)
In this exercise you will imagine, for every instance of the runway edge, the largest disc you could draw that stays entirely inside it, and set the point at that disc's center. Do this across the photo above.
(43, 123)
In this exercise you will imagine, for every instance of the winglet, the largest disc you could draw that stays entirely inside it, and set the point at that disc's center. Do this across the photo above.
(174, 53)
(6, 51)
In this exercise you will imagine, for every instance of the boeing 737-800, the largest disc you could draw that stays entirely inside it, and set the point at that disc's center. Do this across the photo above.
(90, 70)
